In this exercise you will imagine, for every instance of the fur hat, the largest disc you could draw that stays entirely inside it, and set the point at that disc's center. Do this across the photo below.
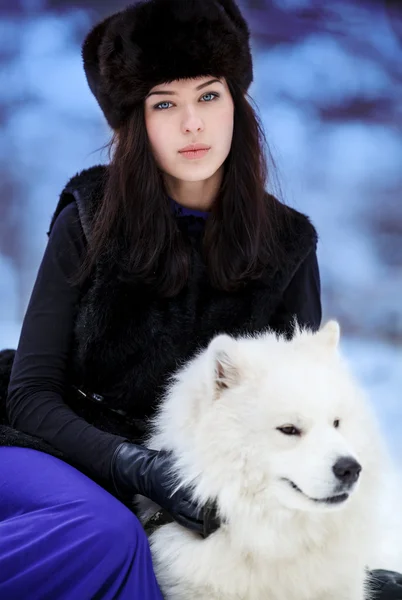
(158, 41)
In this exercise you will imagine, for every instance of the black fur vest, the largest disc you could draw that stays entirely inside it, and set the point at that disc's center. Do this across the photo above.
(127, 342)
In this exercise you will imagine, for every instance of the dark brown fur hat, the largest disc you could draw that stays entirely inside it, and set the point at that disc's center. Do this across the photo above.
(158, 41)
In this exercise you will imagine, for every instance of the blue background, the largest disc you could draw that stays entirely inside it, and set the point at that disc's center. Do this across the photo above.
(328, 87)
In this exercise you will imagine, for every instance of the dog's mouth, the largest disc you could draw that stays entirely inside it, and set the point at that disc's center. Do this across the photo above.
(336, 499)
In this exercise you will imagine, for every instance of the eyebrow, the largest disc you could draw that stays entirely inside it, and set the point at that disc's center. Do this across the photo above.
(169, 93)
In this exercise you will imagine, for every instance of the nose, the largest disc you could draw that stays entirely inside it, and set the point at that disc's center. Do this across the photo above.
(192, 122)
(347, 469)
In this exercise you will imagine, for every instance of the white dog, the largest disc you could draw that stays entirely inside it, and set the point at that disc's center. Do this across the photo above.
(280, 434)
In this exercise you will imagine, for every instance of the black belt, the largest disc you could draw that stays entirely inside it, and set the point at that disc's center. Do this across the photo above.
(98, 399)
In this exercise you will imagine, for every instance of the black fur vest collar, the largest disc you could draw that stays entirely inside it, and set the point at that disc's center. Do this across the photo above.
(128, 342)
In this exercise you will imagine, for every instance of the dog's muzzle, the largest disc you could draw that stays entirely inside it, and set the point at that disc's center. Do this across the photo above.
(336, 499)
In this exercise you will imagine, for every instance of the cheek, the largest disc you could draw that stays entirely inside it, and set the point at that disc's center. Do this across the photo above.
(224, 125)
(159, 134)
(155, 137)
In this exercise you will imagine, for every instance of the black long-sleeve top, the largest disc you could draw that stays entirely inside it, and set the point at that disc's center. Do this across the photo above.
(38, 379)
(38, 383)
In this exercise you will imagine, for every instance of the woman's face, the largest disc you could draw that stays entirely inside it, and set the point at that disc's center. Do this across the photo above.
(185, 112)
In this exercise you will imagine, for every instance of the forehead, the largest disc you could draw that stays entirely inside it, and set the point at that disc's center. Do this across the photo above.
(300, 390)
(181, 85)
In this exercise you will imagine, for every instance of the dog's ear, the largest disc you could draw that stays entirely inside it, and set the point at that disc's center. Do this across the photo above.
(224, 355)
(329, 335)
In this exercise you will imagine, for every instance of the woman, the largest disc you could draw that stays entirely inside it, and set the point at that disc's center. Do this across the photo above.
(148, 258)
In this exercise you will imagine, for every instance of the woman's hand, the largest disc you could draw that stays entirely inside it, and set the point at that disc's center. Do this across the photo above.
(385, 585)
(139, 470)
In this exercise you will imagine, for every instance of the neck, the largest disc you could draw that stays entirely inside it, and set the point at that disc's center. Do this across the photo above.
(195, 195)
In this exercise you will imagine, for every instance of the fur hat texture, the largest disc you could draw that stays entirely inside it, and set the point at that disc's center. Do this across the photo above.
(159, 41)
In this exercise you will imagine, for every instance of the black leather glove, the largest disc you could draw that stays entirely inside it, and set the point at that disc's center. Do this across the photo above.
(138, 470)
(386, 585)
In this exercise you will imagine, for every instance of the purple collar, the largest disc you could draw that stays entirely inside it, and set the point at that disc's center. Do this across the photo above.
(183, 211)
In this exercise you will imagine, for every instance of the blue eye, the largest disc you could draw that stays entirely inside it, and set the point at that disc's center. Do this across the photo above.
(211, 94)
(158, 106)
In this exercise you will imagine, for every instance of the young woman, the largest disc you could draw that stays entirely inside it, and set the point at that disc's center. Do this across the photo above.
(148, 258)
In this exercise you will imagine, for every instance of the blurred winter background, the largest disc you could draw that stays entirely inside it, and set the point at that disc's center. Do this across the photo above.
(328, 86)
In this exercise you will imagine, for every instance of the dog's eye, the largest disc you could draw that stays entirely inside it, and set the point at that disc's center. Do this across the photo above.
(289, 430)
(336, 423)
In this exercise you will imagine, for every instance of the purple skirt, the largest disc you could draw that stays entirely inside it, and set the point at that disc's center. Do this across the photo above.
(63, 537)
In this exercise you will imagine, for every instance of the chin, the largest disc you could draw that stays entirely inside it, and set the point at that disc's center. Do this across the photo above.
(195, 170)
(194, 173)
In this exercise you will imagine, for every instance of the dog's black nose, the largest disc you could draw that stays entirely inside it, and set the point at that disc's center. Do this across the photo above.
(347, 469)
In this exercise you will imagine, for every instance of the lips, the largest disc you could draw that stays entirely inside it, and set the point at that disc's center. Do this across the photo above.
(194, 148)
(337, 499)
(194, 151)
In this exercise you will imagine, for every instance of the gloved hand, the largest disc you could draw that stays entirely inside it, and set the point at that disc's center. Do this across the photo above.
(136, 469)
(385, 585)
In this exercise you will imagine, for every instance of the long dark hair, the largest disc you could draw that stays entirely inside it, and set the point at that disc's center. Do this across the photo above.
(134, 226)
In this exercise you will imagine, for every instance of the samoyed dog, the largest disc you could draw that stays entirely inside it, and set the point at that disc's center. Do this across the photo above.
(279, 434)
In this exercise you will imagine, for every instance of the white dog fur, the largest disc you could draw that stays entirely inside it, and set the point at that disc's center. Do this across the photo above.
(220, 418)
